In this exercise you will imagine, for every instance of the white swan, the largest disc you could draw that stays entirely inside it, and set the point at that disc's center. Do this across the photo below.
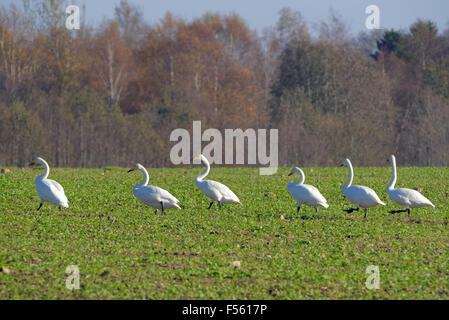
(214, 190)
(360, 196)
(407, 198)
(152, 196)
(305, 193)
(49, 190)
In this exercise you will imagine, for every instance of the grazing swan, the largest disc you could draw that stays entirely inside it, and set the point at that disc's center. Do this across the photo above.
(49, 190)
(155, 197)
(214, 190)
(407, 198)
(304, 193)
(360, 196)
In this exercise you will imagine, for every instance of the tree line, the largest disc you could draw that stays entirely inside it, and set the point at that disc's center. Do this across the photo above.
(111, 94)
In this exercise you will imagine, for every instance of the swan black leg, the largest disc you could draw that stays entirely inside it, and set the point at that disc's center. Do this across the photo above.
(299, 207)
(40, 206)
(408, 210)
(316, 210)
(60, 208)
(366, 211)
(350, 210)
(219, 204)
(162, 206)
(210, 206)
(155, 211)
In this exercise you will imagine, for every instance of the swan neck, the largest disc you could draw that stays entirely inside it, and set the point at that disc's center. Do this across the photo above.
(146, 178)
(46, 171)
(392, 182)
(351, 176)
(205, 172)
(302, 177)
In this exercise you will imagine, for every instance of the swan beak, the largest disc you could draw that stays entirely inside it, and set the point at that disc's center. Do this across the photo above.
(32, 163)
(290, 173)
(132, 169)
(342, 165)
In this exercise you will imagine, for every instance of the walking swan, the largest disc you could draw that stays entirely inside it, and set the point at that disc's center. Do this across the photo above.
(407, 198)
(360, 196)
(304, 193)
(152, 196)
(214, 190)
(49, 190)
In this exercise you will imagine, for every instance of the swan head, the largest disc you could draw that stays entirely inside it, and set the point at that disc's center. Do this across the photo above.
(37, 161)
(346, 163)
(392, 159)
(137, 166)
(200, 157)
(295, 170)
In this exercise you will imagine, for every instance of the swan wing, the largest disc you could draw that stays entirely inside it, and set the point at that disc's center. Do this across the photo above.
(363, 196)
(218, 191)
(57, 185)
(304, 193)
(152, 194)
(51, 191)
(209, 190)
(167, 196)
(410, 198)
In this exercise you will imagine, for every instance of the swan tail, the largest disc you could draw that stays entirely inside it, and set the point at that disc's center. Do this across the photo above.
(382, 203)
(176, 206)
(63, 204)
(324, 205)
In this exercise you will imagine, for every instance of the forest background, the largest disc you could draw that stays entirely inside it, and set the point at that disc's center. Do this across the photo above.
(111, 94)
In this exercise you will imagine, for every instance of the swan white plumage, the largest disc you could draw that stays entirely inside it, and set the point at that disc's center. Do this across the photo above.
(49, 190)
(214, 190)
(305, 193)
(360, 196)
(407, 198)
(152, 196)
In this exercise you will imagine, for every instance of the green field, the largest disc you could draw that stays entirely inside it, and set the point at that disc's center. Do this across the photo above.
(187, 254)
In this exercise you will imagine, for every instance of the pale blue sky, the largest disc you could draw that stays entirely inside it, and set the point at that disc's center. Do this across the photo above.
(398, 14)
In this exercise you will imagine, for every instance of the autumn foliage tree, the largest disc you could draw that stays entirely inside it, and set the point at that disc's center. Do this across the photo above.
(111, 94)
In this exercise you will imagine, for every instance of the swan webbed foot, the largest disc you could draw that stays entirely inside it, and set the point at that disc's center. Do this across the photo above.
(60, 208)
(155, 211)
(351, 210)
(210, 206)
